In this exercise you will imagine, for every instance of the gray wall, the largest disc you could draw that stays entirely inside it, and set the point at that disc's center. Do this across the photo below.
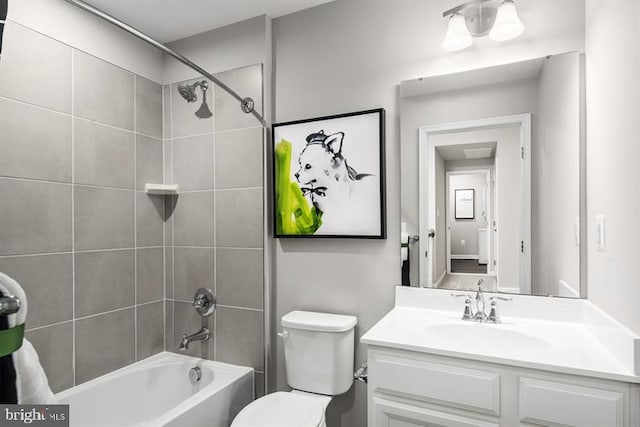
(613, 102)
(557, 170)
(215, 226)
(68, 24)
(75, 228)
(350, 55)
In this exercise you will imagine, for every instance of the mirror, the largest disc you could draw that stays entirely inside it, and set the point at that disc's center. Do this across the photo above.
(492, 176)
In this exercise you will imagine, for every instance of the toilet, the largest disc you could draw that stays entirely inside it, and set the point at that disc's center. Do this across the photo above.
(318, 351)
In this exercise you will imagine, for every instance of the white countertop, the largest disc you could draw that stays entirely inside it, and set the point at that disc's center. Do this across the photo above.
(548, 342)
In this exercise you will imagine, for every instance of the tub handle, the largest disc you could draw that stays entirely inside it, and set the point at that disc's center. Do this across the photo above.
(284, 335)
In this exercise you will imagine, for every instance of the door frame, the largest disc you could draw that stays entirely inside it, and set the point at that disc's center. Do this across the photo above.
(426, 161)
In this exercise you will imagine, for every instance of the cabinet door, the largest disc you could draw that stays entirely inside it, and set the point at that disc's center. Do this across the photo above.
(387, 413)
(547, 403)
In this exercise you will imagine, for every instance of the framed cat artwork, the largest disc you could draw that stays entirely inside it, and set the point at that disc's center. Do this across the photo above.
(329, 176)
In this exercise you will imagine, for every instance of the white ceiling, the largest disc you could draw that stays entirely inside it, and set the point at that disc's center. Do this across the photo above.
(457, 152)
(170, 20)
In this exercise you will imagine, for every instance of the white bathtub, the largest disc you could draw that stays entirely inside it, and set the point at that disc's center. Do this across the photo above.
(158, 392)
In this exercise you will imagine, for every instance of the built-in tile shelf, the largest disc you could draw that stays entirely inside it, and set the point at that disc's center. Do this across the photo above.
(162, 189)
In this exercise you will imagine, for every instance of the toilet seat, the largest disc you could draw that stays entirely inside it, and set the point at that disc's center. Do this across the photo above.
(281, 409)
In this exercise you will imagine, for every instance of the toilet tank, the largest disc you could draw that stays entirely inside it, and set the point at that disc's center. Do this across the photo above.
(318, 351)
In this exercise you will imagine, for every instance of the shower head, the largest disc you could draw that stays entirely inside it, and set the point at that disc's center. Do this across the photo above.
(188, 92)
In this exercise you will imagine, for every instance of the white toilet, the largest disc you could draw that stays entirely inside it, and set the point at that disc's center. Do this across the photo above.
(318, 351)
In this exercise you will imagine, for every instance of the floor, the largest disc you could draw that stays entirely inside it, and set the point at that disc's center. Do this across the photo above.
(468, 266)
(468, 282)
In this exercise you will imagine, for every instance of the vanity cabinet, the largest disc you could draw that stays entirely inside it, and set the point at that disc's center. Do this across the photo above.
(409, 388)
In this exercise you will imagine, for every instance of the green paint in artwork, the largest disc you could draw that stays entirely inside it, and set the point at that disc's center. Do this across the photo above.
(294, 214)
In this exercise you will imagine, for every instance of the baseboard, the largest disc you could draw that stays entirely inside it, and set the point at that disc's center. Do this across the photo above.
(444, 273)
(465, 256)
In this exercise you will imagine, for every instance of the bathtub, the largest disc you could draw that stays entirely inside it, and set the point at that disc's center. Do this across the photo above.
(158, 391)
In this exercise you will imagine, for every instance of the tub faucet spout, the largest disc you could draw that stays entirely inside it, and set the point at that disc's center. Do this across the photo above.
(202, 335)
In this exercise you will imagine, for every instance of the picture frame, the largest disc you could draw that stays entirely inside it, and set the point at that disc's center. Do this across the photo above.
(329, 176)
(465, 203)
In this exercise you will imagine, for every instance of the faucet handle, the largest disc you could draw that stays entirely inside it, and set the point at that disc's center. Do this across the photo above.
(453, 294)
(493, 316)
(501, 298)
(468, 314)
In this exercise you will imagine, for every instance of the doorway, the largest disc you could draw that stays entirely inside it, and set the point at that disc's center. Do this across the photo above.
(493, 212)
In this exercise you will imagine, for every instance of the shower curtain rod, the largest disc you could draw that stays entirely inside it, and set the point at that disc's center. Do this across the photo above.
(246, 104)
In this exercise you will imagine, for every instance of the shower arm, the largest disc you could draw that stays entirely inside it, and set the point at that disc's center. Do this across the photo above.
(245, 103)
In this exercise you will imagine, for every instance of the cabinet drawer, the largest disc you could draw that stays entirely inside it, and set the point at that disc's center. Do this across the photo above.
(391, 414)
(547, 403)
(449, 385)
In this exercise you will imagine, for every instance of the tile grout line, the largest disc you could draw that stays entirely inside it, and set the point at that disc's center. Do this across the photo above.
(72, 252)
(49, 325)
(77, 184)
(173, 255)
(216, 132)
(94, 315)
(135, 223)
(215, 227)
(72, 115)
(164, 230)
(224, 306)
(115, 310)
(73, 218)
(218, 190)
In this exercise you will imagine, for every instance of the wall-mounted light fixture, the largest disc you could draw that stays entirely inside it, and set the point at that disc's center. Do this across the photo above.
(497, 18)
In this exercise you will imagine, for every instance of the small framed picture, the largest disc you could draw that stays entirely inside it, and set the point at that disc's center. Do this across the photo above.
(329, 176)
(464, 204)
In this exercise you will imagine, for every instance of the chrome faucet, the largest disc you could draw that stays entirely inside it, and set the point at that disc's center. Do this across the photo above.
(480, 315)
(202, 335)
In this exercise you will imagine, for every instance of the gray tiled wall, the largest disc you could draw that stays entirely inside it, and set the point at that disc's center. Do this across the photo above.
(79, 137)
(110, 272)
(215, 233)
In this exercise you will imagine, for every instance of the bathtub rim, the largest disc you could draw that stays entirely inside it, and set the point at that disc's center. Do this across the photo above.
(170, 357)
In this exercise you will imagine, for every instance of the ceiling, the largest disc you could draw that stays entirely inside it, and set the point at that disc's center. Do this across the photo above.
(170, 20)
(479, 150)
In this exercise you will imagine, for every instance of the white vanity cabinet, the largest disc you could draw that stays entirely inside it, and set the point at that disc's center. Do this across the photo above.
(409, 388)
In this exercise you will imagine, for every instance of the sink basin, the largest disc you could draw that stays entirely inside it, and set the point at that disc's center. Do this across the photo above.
(479, 336)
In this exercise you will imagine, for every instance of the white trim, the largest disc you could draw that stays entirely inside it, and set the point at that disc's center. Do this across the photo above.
(488, 210)
(444, 273)
(566, 290)
(425, 187)
(465, 256)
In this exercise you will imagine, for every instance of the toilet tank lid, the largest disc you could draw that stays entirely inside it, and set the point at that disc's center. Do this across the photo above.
(322, 322)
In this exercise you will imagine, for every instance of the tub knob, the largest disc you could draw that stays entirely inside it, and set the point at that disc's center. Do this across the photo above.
(283, 334)
(204, 301)
(195, 374)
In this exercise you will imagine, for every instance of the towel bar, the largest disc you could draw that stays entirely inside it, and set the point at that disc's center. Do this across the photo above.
(9, 305)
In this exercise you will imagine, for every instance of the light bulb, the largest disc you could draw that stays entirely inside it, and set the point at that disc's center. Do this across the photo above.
(457, 37)
(508, 25)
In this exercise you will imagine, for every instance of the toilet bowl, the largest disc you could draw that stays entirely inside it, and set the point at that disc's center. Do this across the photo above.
(284, 409)
(318, 349)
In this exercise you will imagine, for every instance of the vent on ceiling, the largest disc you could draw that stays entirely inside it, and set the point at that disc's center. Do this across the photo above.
(477, 153)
